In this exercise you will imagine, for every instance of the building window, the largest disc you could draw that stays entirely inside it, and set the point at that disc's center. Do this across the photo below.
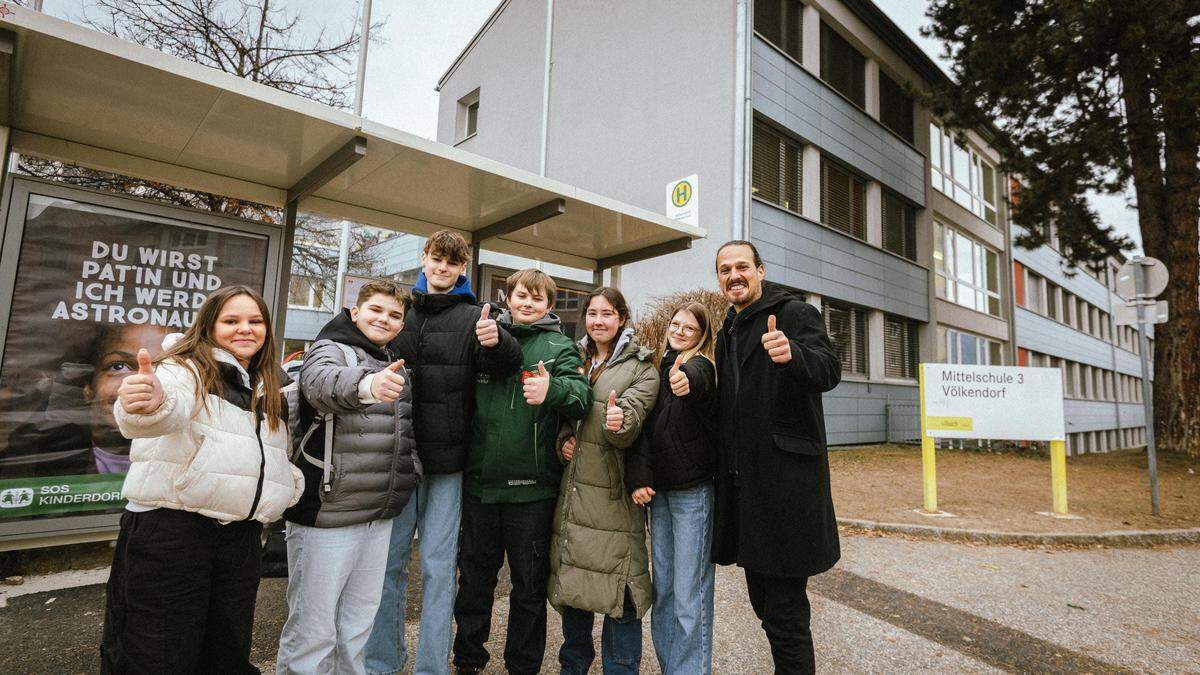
(306, 292)
(1035, 289)
(899, 226)
(842, 67)
(780, 22)
(843, 198)
(900, 348)
(468, 116)
(776, 167)
(1052, 301)
(955, 346)
(962, 174)
(967, 272)
(847, 328)
(895, 107)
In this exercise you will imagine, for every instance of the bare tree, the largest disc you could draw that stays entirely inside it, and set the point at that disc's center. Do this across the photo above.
(250, 39)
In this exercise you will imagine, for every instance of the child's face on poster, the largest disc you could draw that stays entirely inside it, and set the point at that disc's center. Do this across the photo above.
(115, 360)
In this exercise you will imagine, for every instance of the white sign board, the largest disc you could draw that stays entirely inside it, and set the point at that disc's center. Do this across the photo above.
(993, 402)
(1155, 280)
(683, 200)
(1126, 315)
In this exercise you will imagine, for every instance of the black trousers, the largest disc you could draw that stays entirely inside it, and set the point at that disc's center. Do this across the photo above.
(490, 532)
(180, 596)
(781, 604)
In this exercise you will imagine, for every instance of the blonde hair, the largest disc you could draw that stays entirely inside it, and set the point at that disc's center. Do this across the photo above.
(197, 345)
(704, 347)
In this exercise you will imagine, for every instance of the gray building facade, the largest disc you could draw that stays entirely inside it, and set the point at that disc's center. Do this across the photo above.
(855, 198)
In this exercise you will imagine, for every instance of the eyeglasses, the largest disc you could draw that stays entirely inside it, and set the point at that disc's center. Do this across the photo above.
(682, 329)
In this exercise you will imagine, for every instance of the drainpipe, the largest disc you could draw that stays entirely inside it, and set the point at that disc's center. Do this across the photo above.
(546, 82)
(741, 126)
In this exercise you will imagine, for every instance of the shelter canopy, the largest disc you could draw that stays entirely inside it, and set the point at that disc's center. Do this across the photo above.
(78, 95)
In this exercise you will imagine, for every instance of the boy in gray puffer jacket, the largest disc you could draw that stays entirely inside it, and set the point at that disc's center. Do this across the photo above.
(358, 477)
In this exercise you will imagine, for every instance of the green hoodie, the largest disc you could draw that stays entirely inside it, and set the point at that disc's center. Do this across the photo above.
(512, 456)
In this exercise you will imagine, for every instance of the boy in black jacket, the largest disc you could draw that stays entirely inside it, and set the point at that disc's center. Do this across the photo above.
(447, 338)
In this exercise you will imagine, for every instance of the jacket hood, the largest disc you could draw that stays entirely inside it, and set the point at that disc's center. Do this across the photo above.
(626, 339)
(341, 328)
(549, 323)
(460, 293)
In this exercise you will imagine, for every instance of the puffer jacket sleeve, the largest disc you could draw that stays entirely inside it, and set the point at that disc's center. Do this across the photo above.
(328, 383)
(639, 472)
(702, 376)
(637, 401)
(569, 391)
(179, 403)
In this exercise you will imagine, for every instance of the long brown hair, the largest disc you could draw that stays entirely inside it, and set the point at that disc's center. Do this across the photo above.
(614, 298)
(197, 345)
(708, 337)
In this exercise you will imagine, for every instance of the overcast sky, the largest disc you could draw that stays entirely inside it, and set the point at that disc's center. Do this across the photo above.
(422, 37)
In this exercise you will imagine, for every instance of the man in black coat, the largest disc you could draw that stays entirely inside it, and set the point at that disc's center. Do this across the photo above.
(774, 513)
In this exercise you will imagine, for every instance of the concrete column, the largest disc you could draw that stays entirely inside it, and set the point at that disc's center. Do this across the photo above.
(875, 369)
(810, 182)
(815, 301)
(874, 206)
(871, 94)
(811, 40)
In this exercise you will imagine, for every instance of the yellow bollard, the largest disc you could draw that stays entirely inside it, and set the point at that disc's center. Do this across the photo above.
(929, 474)
(1058, 476)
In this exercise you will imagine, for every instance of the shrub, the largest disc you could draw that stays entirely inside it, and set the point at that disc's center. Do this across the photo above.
(651, 325)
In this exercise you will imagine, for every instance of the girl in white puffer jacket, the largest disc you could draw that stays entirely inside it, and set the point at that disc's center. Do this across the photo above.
(209, 467)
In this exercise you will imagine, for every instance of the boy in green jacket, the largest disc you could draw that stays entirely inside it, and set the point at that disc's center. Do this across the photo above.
(511, 481)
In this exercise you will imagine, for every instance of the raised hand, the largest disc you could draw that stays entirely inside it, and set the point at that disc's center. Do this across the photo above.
(486, 330)
(388, 384)
(614, 416)
(643, 495)
(568, 448)
(776, 343)
(537, 386)
(141, 393)
(678, 379)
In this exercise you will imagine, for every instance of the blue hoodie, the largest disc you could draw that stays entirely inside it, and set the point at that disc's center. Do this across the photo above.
(461, 287)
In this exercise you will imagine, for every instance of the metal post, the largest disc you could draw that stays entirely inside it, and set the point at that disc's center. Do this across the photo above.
(1139, 281)
(928, 453)
(343, 268)
(1058, 476)
(363, 39)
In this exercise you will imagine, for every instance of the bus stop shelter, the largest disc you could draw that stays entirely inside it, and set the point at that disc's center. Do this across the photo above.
(71, 94)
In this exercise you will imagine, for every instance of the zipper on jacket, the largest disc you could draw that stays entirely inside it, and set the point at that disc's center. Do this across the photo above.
(262, 466)
(537, 464)
(732, 348)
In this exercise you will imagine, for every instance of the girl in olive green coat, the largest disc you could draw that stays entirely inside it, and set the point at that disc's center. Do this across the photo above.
(598, 559)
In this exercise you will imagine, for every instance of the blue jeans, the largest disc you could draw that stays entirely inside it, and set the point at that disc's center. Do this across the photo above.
(681, 620)
(620, 642)
(335, 577)
(434, 510)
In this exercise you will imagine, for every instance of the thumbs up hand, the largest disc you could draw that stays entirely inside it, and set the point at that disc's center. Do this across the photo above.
(141, 393)
(388, 384)
(486, 330)
(536, 387)
(678, 379)
(614, 416)
(776, 343)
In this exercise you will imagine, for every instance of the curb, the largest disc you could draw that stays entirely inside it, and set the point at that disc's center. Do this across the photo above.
(1125, 538)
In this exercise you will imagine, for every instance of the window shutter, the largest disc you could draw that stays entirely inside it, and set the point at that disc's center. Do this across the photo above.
(842, 67)
(776, 167)
(895, 108)
(843, 197)
(899, 226)
(847, 328)
(900, 349)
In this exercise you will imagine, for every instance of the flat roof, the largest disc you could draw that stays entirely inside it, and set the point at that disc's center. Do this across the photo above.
(78, 95)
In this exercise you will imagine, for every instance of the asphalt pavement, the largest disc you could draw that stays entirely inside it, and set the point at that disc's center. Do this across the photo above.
(892, 605)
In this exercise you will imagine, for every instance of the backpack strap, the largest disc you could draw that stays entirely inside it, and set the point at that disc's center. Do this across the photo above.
(326, 462)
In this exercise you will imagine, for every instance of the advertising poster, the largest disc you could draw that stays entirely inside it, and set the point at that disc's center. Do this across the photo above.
(93, 286)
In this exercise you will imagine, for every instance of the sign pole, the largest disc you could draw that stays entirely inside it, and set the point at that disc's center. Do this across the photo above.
(1139, 280)
(1058, 476)
(928, 454)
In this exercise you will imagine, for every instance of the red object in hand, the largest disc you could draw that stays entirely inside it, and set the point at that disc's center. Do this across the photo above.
(526, 374)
